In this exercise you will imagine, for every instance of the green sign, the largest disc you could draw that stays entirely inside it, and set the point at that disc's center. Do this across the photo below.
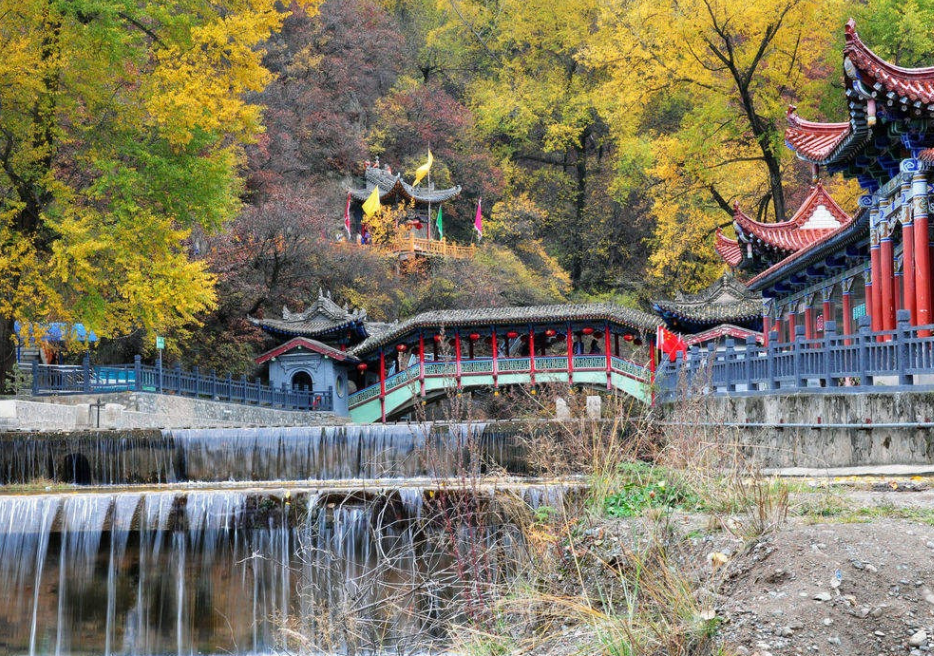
(160, 343)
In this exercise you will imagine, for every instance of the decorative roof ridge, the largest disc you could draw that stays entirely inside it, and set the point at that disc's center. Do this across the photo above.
(725, 284)
(853, 45)
(776, 234)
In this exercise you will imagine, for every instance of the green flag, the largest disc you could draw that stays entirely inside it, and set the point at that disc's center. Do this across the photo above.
(440, 225)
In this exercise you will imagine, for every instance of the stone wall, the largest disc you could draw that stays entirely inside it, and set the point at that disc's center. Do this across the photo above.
(143, 410)
(822, 429)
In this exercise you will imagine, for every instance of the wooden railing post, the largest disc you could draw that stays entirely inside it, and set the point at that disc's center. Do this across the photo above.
(138, 372)
(770, 351)
(830, 348)
(797, 350)
(729, 358)
(35, 378)
(86, 370)
(865, 338)
(752, 351)
(902, 347)
(178, 378)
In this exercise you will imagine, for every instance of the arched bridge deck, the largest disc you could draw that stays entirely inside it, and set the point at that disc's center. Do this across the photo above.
(433, 379)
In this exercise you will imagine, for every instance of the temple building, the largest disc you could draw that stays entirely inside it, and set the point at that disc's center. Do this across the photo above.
(725, 309)
(422, 204)
(312, 353)
(878, 261)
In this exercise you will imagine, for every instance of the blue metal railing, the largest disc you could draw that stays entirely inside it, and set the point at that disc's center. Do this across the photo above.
(50, 380)
(903, 357)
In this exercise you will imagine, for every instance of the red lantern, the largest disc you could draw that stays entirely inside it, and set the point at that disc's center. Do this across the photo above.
(474, 337)
(418, 225)
(362, 367)
(587, 331)
(402, 347)
(512, 334)
(627, 337)
(550, 333)
(438, 338)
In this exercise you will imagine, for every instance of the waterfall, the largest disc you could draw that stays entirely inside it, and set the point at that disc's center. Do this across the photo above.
(387, 451)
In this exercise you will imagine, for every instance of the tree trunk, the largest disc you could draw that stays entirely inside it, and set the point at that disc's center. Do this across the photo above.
(580, 202)
(7, 355)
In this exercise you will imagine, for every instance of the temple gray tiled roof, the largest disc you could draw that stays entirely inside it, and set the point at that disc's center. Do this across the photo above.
(726, 301)
(323, 317)
(392, 185)
(636, 320)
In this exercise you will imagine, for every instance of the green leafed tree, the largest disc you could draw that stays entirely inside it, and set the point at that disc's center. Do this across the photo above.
(121, 134)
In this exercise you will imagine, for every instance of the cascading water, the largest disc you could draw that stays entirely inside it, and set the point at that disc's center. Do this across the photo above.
(252, 454)
(205, 567)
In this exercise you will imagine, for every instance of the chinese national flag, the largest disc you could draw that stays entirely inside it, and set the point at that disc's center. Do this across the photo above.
(670, 344)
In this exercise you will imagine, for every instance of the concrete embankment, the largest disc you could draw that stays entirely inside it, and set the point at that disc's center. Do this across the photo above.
(817, 430)
(126, 410)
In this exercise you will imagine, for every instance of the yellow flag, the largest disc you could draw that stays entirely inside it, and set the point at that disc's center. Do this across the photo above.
(423, 170)
(371, 205)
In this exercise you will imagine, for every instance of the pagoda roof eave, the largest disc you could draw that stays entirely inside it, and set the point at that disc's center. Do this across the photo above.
(914, 84)
(794, 234)
(725, 301)
(842, 237)
(309, 344)
(728, 249)
(724, 330)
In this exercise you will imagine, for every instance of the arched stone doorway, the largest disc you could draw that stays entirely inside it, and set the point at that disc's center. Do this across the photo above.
(301, 380)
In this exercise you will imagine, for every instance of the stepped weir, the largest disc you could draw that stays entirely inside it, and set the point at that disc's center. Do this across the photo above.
(343, 540)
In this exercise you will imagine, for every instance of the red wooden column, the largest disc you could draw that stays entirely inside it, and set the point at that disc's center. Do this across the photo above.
(876, 267)
(791, 322)
(909, 300)
(457, 357)
(570, 343)
(847, 287)
(867, 282)
(899, 282)
(919, 192)
(495, 348)
(766, 327)
(827, 308)
(421, 362)
(609, 355)
(887, 271)
(382, 385)
(532, 358)
(809, 316)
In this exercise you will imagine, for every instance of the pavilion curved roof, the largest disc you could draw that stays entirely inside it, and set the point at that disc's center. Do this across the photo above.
(818, 216)
(323, 318)
(727, 300)
(867, 77)
(728, 249)
(393, 187)
(840, 238)
(636, 320)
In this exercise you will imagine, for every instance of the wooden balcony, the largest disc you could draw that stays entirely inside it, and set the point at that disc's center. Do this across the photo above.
(412, 246)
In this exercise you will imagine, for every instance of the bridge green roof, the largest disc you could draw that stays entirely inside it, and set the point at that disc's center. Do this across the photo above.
(636, 320)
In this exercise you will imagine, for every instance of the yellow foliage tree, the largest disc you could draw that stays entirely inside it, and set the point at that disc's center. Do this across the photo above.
(697, 90)
(121, 131)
